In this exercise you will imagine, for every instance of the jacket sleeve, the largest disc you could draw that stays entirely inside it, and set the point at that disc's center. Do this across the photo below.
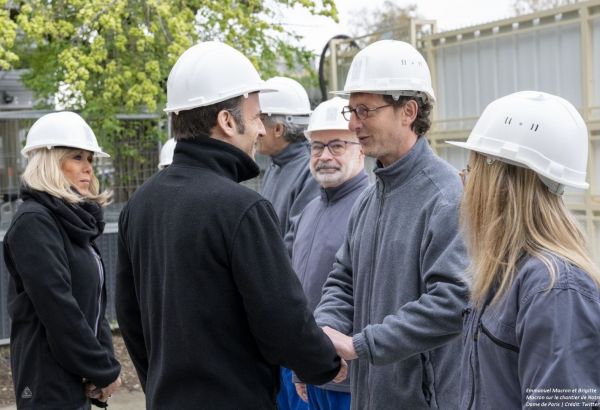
(278, 316)
(558, 336)
(37, 253)
(105, 336)
(128, 308)
(435, 318)
(336, 307)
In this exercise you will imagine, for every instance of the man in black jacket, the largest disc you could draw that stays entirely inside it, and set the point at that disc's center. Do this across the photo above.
(207, 301)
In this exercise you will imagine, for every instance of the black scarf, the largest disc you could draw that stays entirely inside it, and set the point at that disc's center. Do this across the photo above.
(83, 221)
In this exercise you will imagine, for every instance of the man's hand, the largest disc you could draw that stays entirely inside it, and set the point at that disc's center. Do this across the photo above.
(343, 373)
(342, 343)
(301, 390)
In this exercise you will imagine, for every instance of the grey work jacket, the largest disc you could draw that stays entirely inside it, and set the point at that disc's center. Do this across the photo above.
(397, 286)
(317, 237)
(537, 346)
(289, 186)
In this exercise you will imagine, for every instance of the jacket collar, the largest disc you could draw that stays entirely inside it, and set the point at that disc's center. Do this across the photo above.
(215, 155)
(290, 153)
(334, 194)
(413, 162)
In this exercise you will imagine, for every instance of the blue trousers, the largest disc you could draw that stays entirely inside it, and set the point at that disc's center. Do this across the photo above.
(287, 398)
(321, 399)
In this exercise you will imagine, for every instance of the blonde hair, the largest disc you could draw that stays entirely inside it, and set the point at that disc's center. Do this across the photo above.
(44, 173)
(507, 212)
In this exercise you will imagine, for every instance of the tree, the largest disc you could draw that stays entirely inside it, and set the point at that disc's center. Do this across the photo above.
(112, 57)
(531, 6)
(8, 34)
(388, 21)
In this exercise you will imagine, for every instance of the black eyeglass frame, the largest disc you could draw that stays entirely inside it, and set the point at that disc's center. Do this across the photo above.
(361, 111)
(317, 153)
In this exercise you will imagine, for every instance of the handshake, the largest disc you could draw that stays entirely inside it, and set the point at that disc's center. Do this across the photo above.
(344, 348)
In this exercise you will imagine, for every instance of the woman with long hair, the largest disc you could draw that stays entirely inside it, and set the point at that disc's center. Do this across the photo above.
(532, 331)
(61, 346)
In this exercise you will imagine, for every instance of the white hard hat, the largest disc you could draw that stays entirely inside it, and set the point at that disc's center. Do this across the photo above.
(166, 153)
(208, 73)
(62, 129)
(289, 99)
(328, 116)
(534, 130)
(389, 67)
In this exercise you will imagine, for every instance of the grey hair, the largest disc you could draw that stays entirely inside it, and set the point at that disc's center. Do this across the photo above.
(293, 132)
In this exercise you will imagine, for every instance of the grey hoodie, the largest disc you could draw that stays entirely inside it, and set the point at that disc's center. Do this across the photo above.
(537, 346)
(397, 286)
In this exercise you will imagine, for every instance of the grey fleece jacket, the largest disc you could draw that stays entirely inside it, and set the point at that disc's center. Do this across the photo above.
(537, 346)
(318, 235)
(397, 286)
(289, 185)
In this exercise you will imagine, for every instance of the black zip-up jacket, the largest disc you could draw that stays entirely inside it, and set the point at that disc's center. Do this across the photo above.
(56, 301)
(207, 301)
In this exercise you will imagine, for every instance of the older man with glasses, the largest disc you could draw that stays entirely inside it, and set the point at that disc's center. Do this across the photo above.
(337, 164)
(394, 298)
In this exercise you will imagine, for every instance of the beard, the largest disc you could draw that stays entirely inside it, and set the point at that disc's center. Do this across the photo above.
(329, 178)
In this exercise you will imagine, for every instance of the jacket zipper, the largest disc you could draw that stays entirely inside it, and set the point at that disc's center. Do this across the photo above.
(373, 257)
(101, 277)
(472, 398)
(497, 341)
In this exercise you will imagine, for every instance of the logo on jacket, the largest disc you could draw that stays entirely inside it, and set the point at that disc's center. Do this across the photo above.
(26, 393)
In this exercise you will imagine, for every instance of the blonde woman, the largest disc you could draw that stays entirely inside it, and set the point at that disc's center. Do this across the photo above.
(532, 333)
(61, 346)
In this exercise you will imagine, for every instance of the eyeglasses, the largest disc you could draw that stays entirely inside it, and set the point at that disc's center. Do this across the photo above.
(463, 174)
(361, 111)
(336, 147)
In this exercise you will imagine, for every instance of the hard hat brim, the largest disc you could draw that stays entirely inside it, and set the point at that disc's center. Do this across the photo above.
(199, 104)
(407, 93)
(97, 153)
(498, 156)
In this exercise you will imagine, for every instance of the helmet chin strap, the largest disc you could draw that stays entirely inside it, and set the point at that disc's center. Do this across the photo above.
(554, 187)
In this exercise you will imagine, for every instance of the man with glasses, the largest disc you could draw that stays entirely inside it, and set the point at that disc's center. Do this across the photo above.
(287, 182)
(394, 299)
(337, 164)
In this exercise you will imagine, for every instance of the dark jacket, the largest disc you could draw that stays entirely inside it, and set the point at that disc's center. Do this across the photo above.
(537, 346)
(207, 301)
(56, 301)
(318, 235)
(397, 286)
(289, 186)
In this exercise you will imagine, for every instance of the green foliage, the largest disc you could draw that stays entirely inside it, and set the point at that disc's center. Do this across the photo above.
(8, 34)
(109, 57)
(114, 56)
